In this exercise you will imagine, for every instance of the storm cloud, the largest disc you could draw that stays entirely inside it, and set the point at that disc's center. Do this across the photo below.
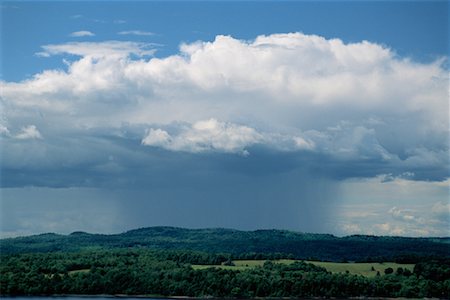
(227, 119)
(354, 103)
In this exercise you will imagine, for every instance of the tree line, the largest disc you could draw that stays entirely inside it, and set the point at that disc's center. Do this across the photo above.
(170, 273)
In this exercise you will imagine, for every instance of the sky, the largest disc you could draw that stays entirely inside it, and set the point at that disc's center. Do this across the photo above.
(326, 117)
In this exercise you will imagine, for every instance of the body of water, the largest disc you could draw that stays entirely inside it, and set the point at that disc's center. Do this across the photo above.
(81, 297)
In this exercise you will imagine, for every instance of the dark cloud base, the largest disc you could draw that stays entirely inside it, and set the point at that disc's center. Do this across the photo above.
(126, 163)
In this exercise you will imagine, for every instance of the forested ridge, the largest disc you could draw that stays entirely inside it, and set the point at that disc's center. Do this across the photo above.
(296, 245)
(161, 261)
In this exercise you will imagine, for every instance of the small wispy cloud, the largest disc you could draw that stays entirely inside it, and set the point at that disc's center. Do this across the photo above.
(81, 33)
(9, 7)
(119, 21)
(99, 50)
(99, 21)
(76, 16)
(136, 32)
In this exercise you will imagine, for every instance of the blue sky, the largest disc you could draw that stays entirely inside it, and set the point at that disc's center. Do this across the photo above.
(415, 29)
(311, 116)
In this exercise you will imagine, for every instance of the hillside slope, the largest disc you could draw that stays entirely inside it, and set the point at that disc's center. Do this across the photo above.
(238, 243)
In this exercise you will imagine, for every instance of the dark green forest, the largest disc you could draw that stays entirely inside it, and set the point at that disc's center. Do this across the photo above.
(169, 273)
(158, 262)
(241, 244)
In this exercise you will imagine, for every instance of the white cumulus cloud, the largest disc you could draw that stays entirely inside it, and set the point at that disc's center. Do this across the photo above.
(204, 136)
(157, 137)
(349, 102)
(29, 132)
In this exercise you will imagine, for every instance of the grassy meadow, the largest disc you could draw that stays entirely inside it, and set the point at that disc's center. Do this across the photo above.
(364, 269)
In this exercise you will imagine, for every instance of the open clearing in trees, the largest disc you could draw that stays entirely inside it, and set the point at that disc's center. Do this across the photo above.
(364, 269)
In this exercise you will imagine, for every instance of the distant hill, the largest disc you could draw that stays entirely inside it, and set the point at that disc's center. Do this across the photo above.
(239, 243)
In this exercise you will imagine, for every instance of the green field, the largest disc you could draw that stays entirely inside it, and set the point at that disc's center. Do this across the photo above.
(364, 269)
(79, 271)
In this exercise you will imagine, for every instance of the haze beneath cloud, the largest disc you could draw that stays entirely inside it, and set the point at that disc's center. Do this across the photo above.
(277, 127)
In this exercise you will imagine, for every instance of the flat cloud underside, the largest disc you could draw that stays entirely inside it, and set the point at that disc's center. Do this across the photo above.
(341, 110)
